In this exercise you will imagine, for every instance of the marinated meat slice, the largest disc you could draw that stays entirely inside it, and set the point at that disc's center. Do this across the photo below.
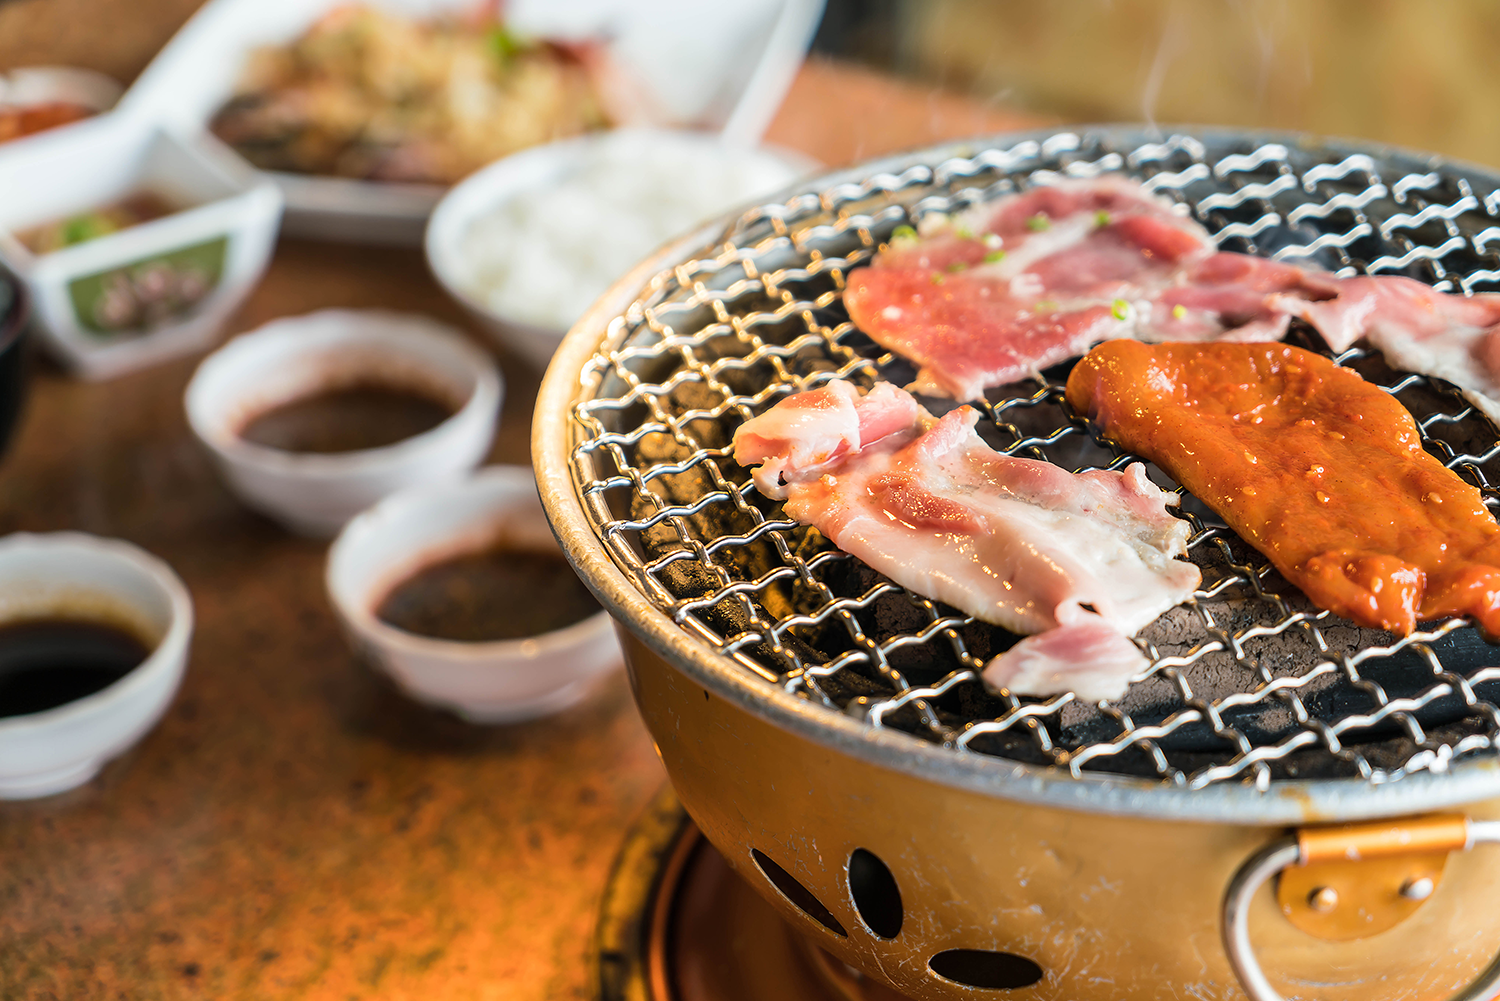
(1418, 329)
(1015, 286)
(1017, 542)
(1322, 472)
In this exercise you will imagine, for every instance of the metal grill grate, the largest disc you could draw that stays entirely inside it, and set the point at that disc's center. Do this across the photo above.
(1249, 683)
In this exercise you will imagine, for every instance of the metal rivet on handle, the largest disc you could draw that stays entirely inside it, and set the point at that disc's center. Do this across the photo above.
(1417, 889)
(1323, 899)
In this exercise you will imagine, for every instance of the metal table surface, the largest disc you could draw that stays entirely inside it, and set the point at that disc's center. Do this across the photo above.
(294, 827)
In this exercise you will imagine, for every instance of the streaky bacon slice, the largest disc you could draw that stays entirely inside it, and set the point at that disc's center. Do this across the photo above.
(1017, 542)
(1321, 471)
(1418, 329)
(1014, 286)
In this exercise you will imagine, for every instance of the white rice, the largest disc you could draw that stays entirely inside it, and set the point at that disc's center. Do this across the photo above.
(543, 257)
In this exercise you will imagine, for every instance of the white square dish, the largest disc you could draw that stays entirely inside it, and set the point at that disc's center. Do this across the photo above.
(147, 292)
(715, 66)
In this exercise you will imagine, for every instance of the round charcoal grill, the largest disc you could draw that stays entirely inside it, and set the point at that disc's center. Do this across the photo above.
(1258, 708)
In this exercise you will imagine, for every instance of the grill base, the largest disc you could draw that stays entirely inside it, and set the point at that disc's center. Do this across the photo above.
(1105, 907)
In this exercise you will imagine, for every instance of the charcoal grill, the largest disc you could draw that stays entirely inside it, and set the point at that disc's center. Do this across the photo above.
(814, 716)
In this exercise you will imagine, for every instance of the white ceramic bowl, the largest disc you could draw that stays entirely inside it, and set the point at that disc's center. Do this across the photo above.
(599, 232)
(493, 682)
(184, 273)
(288, 358)
(80, 575)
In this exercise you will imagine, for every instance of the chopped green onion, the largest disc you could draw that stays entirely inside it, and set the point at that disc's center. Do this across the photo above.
(1121, 309)
(937, 279)
(1046, 306)
(992, 240)
(1179, 311)
(957, 266)
(1101, 218)
(993, 256)
(903, 233)
(503, 44)
(1038, 222)
(964, 233)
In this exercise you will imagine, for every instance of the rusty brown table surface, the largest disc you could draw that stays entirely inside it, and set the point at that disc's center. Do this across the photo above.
(294, 827)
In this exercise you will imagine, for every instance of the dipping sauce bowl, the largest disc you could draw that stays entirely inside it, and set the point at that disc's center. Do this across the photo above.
(298, 358)
(495, 681)
(115, 585)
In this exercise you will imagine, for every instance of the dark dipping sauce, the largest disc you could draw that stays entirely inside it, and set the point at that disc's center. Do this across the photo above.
(348, 418)
(499, 593)
(49, 662)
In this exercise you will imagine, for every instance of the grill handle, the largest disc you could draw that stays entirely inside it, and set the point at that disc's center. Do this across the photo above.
(1301, 848)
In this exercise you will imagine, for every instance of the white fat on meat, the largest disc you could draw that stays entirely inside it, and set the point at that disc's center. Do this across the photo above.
(1090, 659)
(1020, 543)
(1417, 329)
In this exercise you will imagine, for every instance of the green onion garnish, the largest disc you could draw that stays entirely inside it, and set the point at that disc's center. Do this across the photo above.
(1121, 309)
(993, 256)
(957, 266)
(1038, 222)
(992, 240)
(1179, 311)
(937, 279)
(903, 233)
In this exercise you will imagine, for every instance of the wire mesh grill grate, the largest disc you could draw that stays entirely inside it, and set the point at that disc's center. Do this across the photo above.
(1249, 683)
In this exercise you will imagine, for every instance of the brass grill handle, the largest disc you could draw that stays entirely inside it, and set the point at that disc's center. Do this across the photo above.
(1371, 841)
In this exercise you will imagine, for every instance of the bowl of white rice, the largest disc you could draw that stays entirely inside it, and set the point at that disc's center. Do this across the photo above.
(529, 242)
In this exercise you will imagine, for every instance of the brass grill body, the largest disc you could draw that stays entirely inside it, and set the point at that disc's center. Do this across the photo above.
(805, 705)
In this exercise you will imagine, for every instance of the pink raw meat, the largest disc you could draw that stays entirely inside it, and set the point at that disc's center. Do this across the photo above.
(1418, 329)
(1037, 278)
(1017, 542)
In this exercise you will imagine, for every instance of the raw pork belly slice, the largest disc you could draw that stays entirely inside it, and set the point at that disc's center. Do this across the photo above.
(1321, 471)
(1034, 279)
(1017, 542)
(1418, 329)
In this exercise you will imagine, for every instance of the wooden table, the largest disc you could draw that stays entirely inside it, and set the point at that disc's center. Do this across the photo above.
(294, 828)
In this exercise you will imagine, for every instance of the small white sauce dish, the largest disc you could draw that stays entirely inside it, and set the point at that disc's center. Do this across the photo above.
(500, 681)
(529, 242)
(147, 292)
(294, 357)
(81, 576)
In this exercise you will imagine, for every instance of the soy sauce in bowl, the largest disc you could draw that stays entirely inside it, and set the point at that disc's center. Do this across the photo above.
(349, 418)
(500, 592)
(49, 661)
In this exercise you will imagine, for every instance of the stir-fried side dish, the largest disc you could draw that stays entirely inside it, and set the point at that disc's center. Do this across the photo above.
(1017, 542)
(366, 94)
(1013, 286)
(1322, 472)
(132, 210)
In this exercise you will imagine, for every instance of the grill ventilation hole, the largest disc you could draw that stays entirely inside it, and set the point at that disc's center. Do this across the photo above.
(983, 968)
(798, 894)
(875, 893)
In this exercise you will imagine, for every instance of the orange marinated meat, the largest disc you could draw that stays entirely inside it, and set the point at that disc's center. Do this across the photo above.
(1322, 472)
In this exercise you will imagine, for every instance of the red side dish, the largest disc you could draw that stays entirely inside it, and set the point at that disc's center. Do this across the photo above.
(25, 119)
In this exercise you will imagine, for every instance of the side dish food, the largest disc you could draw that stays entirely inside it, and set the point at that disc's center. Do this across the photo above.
(132, 210)
(27, 119)
(367, 94)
